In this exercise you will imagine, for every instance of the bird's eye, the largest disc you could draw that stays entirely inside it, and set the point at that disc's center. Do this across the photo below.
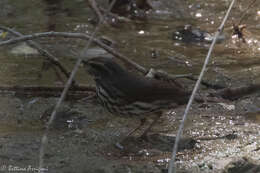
(99, 68)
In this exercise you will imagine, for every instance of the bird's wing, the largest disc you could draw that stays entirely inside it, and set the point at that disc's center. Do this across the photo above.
(149, 90)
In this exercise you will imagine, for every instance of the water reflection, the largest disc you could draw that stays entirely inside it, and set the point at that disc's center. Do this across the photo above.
(52, 10)
(137, 40)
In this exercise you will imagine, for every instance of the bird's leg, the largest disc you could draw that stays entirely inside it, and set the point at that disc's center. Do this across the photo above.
(158, 115)
(121, 147)
(143, 120)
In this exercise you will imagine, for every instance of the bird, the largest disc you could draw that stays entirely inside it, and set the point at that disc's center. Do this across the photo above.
(128, 94)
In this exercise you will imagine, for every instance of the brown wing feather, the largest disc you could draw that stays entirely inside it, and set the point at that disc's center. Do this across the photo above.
(145, 89)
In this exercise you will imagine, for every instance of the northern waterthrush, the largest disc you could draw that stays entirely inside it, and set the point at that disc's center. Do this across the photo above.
(129, 94)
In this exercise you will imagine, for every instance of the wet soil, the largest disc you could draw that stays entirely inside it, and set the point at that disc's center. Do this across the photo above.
(213, 137)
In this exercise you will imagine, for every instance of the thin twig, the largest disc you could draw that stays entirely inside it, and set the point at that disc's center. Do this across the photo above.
(157, 73)
(237, 92)
(111, 14)
(44, 140)
(34, 88)
(79, 36)
(172, 166)
(45, 53)
(206, 83)
(96, 41)
(94, 6)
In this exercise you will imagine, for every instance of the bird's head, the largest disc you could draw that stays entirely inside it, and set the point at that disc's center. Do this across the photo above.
(103, 67)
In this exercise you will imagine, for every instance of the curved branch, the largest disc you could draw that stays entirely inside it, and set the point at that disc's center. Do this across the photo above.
(159, 74)
(75, 35)
(45, 53)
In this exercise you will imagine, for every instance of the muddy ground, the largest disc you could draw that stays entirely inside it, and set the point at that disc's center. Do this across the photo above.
(84, 138)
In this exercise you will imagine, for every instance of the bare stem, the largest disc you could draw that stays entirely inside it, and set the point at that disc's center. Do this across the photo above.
(96, 41)
(44, 140)
(42, 51)
(172, 166)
